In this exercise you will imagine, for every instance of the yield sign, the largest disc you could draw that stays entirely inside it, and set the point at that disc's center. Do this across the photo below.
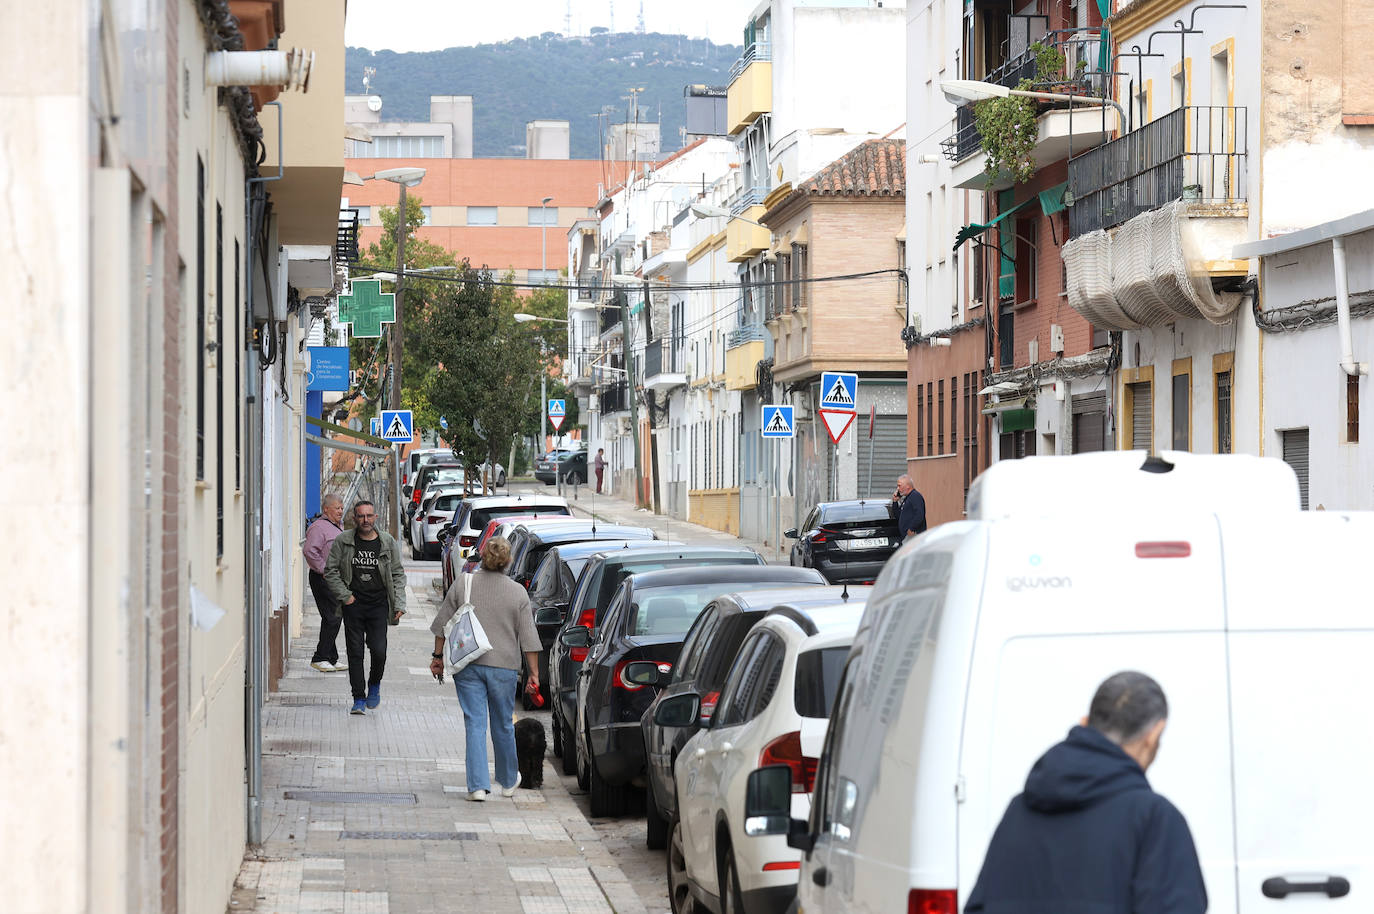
(837, 422)
(556, 422)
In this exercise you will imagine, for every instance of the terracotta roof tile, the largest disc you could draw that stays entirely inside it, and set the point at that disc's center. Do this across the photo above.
(876, 168)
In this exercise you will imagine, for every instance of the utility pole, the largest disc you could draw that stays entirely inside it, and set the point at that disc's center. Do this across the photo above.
(398, 333)
(653, 439)
(628, 355)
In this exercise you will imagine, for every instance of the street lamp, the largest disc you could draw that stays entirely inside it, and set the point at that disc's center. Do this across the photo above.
(706, 211)
(961, 91)
(523, 318)
(544, 241)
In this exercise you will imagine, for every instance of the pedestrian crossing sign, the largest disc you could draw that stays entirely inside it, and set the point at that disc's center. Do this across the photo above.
(839, 390)
(777, 421)
(558, 408)
(397, 425)
(374, 427)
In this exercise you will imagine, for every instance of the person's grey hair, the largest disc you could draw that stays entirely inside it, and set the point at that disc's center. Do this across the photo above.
(908, 479)
(496, 554)
(1126, 706)
(331, 500)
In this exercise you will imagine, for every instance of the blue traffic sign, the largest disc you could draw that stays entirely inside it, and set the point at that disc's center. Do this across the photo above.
(558, 408)
(839, 390)
(374, 427)
(443, 423)
(777, 421)
(328, 368)
(397, 425)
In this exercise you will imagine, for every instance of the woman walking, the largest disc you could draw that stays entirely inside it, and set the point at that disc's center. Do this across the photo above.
(486, 687)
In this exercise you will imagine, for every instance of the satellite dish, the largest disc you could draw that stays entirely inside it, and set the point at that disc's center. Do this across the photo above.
(374, 103)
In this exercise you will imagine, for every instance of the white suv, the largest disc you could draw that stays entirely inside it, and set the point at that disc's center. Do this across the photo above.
(440, 503)
(773, 710)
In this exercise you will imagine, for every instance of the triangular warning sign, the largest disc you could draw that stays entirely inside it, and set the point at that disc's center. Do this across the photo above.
(837, 422)
(556, 421)
(839, 394)
(778, 424)
(397, 429)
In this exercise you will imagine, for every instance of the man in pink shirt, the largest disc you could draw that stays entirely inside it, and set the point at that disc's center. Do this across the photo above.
(318, 538)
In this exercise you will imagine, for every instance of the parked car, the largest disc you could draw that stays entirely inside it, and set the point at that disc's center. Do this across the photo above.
(645, 621)
(429, 469)
(531, 542)
(847, 541)
(707, 653)
(595, 587)
(551, 587)
(548, 467)
(441, 502)
(1250, 613)
(773, 710)
(478, 511)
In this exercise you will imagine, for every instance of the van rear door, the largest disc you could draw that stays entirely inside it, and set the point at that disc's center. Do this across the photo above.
(1301, 641)
(1064, 608)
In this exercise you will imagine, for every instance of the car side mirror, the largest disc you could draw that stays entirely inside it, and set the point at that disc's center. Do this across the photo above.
(648, 673)
(790, 533)
(445, 534)
(551, 615)
(577, 636)
(768, 801)
(679, 711)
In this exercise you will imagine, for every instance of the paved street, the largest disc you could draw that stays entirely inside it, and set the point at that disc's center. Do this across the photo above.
(367, 815)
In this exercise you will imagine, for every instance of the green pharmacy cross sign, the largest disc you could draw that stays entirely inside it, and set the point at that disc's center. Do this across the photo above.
(367, 309)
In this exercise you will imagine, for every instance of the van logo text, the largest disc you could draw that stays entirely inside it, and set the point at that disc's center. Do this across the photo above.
(1016, 584)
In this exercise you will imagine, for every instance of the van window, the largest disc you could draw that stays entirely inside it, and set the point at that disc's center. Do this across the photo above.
(818, 680)
(833, 814)
(753, 677)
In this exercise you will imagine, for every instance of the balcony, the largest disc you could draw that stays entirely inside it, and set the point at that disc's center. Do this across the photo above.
(1197, 154)
(751, 87)
(744, 239)
(613, 399)
(745, 347)
(588, 289)
(610, 318)
(1060, 132)
(346, 241)
(663, 365)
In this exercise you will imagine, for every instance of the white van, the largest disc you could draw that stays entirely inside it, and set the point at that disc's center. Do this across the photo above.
(984, 640)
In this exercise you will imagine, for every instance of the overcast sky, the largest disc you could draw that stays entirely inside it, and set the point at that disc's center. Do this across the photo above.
(429, 25)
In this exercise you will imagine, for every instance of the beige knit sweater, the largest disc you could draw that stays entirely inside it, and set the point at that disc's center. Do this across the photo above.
(503, 608)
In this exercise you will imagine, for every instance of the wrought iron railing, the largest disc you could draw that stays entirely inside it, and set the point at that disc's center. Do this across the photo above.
(1193, 153)
(613, 398)
(759, 50)
(610, 316)
(661, 357)
(749, 196)
(346, 242)
(749, 333)
(588, 285)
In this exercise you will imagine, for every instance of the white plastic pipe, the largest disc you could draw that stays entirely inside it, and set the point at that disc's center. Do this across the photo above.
(284, 69)
(1348, 363)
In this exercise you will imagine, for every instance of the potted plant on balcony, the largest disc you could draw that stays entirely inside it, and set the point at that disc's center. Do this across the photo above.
(1008, 128)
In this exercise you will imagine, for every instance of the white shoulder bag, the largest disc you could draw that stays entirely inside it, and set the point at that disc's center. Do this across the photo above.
(464, 639)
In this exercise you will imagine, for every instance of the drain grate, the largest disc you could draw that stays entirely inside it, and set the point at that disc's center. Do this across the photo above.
(345, 796)
(409, 835)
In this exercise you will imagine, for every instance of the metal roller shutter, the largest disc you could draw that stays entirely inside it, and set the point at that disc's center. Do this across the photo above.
(889, 455)
(1295, 455)
(1142, 416)
(1090, 423)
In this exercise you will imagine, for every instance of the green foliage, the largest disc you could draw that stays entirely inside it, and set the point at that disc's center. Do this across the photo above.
(1049, 63)
(1008, 128)
(548, 76)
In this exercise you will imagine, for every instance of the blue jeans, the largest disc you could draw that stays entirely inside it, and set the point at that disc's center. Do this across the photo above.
(484, 690)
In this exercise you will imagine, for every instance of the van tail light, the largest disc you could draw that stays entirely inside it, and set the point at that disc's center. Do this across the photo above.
(781, 865)
(587, 618)
(1175, 549)
(619, 681)
(466, 541)
(416, 495)
(708, 707)
(787, 750)
(436, 519)
(932, 901)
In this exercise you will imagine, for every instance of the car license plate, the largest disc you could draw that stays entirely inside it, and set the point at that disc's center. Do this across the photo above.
(876, 542)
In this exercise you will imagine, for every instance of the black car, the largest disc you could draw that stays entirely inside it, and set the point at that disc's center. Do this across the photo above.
(848, 542)
(549, 466)
(551, 586)
(528, 545)
(708, 651)
(595, 587)
(646, 620)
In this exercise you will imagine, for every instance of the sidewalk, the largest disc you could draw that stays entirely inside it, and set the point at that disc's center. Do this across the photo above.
(368, 815)
(615, 510)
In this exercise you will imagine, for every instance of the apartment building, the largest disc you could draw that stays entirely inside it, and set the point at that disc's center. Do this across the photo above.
(163, 273)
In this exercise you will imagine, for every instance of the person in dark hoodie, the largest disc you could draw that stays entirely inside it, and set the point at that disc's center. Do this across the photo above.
(1088, 835)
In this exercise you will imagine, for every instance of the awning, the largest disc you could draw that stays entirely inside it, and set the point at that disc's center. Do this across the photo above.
(1002, 406)
(974, 229)
(1052, 200)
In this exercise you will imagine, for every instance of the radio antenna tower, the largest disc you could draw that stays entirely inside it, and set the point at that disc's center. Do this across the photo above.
(567, 21)
(640, 26)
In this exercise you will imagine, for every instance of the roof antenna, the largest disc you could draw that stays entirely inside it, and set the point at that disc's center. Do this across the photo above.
(844, 594)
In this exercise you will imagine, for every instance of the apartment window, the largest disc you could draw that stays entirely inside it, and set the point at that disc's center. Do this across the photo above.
(1178, 88)
(783, 266)
(201, 317)
(1352, 409)
(953, 414)
(542, 215)
(1295, 455)
(364, 214)
(800, 271)
(1006, 337)
(1142, 415)
(1017, 444)
(977, 267)
(219, 380)
(404, 147)
(1182, 410)
(1223, 407)
(902, 292)
(1027, 281)
(920, 420)
(930, 418)
(426, 216)
(1089, 422)
(481, 215)
(940, 423)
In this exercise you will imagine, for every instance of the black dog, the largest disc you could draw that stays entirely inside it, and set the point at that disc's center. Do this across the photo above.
(530, 745)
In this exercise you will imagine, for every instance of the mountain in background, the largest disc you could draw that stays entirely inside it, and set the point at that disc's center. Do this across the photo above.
(549, 76)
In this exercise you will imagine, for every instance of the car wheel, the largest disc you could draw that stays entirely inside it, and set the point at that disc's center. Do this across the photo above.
(501, 480)
(607, 800)
(584, 768)
(557, 736)
(679, 893)
(655, 825)
(415, 553)
(732, 900)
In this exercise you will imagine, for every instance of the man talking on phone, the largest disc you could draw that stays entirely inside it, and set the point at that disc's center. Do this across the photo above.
(911, 508)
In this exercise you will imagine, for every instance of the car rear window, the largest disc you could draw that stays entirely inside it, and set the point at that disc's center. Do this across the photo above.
(449, 502)
(818, 680)
(672, 610)
(856, 514)
(612, 576)
(483, 516)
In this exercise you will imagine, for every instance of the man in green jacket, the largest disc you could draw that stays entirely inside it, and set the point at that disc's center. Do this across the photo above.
(364, 574)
